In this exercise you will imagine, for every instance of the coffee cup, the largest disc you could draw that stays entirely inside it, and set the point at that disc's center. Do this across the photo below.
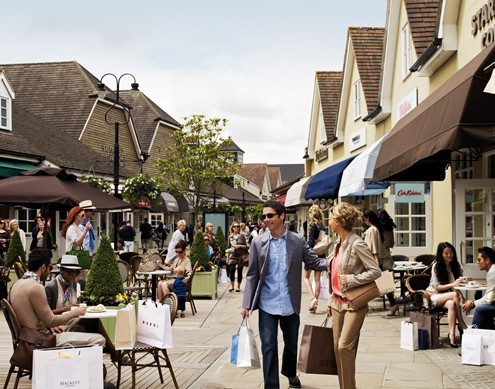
(463, 279)
(473, 283)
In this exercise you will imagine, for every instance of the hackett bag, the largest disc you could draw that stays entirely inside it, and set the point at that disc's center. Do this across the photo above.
(361, 295)
(29, 340)
(316, 353)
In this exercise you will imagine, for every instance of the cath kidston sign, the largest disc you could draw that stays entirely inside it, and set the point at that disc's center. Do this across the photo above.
(409, 193)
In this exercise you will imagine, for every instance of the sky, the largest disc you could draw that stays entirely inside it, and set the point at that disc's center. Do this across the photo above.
(252, 62)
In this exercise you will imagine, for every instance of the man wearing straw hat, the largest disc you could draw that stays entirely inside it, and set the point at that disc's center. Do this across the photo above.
(89, 239)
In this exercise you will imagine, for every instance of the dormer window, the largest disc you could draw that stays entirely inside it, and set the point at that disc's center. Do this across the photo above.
(357, 99)
(323, 130)
(406, 50)
(6, 97)
(4, 114)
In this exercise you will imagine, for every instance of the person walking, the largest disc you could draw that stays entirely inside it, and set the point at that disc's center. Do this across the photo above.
(237, 244)
(127, 233)
(273, 285)
(178, 235)
(351, 265)
(145, 229)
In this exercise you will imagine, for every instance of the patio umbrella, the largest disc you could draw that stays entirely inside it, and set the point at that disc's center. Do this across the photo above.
(56, 187)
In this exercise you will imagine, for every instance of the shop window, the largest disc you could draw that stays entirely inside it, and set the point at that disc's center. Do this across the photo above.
(462, 165)
(26, 217)
(155, 218)
(406, 50)
(410, 219)
(357, 99)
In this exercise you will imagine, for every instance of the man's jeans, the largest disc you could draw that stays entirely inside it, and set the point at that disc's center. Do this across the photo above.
(483, 316)
(268, 328)
(128, 245)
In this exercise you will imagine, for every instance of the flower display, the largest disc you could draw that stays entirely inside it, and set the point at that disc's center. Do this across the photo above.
(98, 183)
(140, 187)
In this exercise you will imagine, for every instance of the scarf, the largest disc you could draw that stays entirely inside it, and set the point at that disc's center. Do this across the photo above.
(91, 236)
(30, 274)
(70, 291)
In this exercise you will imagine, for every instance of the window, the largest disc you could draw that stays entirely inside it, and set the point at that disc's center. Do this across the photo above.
(406, 50)
(26, 217)
(4, 117)
(462, 166)
(323, 131)
(357, 99)
(410, 219)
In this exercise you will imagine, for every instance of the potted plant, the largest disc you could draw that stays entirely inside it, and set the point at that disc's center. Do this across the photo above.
(205, 278)
(141, 188)
(98, 183)
(15, 251)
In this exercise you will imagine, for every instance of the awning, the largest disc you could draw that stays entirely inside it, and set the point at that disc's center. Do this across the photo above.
(325, 184)
(295, 194)
(357, 177)
(458, 115)
(11, 168)
(184, 205)
(170, 202)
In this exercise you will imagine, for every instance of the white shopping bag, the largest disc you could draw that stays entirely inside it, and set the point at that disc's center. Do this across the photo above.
(74, 368)
(126, 328)
(222, 276)
(324, 287)
(409, 335)
(154, 326)
(487, 344)
(247, 351)
(385, 282)
(472, 346)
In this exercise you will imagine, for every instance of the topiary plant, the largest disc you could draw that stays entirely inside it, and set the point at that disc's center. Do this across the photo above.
(15, 251)
(104, 282)
(199, 253)
(222, 242)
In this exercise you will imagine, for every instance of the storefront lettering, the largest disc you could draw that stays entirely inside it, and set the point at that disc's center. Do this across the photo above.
(481, 19)
(409, 192)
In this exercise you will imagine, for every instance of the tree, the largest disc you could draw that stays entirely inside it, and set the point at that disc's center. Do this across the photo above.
(15, 251)
(104, 282)
(194, 164)
(222, 242)
(199, 252)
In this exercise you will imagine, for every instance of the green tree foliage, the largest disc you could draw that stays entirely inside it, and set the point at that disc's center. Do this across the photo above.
(199, 252)
(255, 212)
(192, 166)
(15, 251)
(222, 242)
(104, 282)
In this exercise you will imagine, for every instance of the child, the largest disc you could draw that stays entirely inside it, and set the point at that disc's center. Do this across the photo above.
(180, 289)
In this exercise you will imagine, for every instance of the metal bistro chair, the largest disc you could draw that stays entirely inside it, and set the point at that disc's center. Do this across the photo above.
(126, 275)
(141, 348)
(15, 331)
(189, 296)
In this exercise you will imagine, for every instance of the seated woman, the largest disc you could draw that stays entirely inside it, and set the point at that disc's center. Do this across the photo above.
(445, 274)
(165, 287)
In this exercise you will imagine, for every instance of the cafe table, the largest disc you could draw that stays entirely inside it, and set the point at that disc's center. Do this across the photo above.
(405, 267)
(465, 289)
(154, 275)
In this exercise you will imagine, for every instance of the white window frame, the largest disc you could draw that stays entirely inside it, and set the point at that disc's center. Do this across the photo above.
(323, 131)
(26, 223)
(5, 114)
(357, 99)
(406, 50)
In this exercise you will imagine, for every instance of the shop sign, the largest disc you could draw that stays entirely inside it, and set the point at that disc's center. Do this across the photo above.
(483, 16)
(409, 193)
(321, 154)
(357, 139)
(407, 104)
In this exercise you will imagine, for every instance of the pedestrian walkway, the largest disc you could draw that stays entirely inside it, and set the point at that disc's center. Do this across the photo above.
(201, 354)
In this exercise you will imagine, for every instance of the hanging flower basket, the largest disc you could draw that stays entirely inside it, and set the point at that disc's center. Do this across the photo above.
(98, 183)
(141, 187)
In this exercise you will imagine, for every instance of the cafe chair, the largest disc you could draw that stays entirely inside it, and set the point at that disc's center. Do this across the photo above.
(19, 269)
(126, 275)
(139, 280)
(428, 260)
(416, 285)
(15, 331)
(400, 258)
(189, 296)
(135, 357)
(127, 255)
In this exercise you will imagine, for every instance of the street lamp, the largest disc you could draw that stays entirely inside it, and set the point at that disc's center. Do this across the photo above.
(116, 123)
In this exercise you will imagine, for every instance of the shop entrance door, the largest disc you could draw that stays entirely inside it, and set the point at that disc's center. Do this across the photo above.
(474, 220)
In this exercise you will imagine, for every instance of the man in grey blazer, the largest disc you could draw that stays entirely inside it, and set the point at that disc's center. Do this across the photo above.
(273, 284)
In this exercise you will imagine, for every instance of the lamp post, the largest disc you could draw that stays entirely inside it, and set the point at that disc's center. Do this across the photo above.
(116, 123)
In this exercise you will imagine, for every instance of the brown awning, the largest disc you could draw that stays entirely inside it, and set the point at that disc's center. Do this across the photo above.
(458, 115)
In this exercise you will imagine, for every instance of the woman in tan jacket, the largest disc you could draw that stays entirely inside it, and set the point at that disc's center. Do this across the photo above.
(351, 265)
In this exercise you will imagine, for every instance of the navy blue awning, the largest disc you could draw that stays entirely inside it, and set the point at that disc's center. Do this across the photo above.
(326, 184)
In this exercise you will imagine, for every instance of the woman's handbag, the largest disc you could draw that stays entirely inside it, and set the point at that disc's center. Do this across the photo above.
(30, 339)
(147, 263)
(83, 256)
(316, 354)
(361, 295)
(323, 244)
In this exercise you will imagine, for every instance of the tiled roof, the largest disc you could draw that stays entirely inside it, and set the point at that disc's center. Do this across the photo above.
(274, 176)
(232, 147)
(422, 16)
(254, 172)
(30, 135)
(329, 87)
(290, 171)
(145, 114)
(367, 43)
(54, 90)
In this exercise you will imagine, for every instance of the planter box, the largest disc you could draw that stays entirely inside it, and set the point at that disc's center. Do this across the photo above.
(205, 284)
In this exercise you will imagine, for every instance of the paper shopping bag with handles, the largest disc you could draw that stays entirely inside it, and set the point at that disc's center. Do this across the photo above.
(154, 326)
(385, 282)
(409, 336)
(487, 343)
(125, 328)
(427, 322)
(64, 368)
(324, 287)
(472, 348)
(247, 353)
(316, 354)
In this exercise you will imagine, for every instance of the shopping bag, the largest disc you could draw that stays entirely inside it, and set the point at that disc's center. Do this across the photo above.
(316, 353)
(154, 326)
(234, 349)
(247, 353)
(324, 287)
(409, 335)
(472, 348)
(222, 276)
(488, 344)
(427, 322)
(126, 328)
(74, 368)
(385, 283)
(423, 339)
